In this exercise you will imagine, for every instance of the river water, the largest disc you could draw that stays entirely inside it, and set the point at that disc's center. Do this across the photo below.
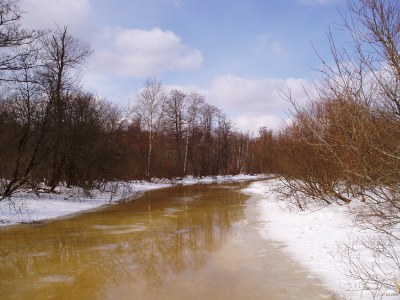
(184, 242)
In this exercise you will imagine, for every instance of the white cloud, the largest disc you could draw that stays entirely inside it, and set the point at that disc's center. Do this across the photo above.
(142, 53)
(45, 14)
(252, 123)
(252, 103)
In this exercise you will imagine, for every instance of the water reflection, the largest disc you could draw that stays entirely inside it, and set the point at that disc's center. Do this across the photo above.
(162, 234)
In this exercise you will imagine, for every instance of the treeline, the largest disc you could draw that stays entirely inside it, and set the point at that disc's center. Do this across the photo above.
(176, 134)
(54, 131)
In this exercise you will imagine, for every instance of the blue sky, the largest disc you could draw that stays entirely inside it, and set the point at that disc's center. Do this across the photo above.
(236, 52)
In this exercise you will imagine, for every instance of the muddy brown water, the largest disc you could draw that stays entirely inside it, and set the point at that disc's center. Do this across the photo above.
(184, 242)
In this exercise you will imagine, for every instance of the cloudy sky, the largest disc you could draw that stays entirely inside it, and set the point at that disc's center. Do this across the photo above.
(237, 53)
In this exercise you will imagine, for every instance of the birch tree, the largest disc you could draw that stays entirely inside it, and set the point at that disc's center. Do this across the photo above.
(150, 105)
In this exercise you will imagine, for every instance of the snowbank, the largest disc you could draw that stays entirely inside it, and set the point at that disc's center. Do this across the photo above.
(29, 207)
(312, 238)
(211, 179)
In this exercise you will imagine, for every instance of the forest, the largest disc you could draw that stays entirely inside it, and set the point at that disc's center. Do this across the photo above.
(340, 144)
(52, 130)
(343, 143)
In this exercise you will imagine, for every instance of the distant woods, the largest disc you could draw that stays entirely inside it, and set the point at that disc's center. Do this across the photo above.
(53, 131)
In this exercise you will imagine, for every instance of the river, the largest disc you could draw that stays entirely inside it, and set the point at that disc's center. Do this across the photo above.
(183, 242)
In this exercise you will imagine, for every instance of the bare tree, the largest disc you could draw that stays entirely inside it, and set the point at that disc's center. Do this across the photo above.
(62, 56)
(16, 44)
(223, 144)
(208, 119)
(196, 102)
(345, 144)
(31, 120)
(150, 108)
(19, 62)
(176, 107)
(94, 131)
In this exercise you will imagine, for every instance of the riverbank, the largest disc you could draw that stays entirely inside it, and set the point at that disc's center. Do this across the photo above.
(316, 240)
(28, 207)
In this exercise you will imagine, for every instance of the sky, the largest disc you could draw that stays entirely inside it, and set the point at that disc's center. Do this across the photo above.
(237, 53)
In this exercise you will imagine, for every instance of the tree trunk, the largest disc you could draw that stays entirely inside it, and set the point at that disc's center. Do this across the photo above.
(149, 154)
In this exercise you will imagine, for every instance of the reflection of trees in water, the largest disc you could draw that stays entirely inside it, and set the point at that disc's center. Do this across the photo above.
(94, 258)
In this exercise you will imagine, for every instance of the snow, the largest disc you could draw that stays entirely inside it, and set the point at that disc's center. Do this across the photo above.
(312, 238)
(204, 180)
(29, 207)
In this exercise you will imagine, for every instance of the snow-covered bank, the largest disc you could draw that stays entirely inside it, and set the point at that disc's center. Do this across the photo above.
(312, 238)
(29, 207)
